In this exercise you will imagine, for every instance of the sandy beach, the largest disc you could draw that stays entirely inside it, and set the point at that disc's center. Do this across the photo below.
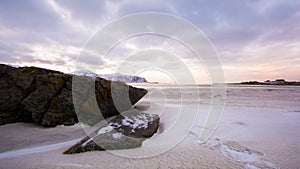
(260, 129)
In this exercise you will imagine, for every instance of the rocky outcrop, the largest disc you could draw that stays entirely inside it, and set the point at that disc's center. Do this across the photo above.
(125, 131)
(31, 94)
(16, 84)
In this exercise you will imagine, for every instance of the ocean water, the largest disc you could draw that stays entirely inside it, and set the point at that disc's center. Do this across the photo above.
(230, 94)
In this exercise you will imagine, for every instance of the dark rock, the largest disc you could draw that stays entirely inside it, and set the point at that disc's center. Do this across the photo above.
(71, 121)
(37, 103)
(136, 94)
(98, 98)
(25, 76)
(4, 69)
(8, 117)
(61, 110)
(126, 131)
(47, 97)
(135, 124)
(10, 98)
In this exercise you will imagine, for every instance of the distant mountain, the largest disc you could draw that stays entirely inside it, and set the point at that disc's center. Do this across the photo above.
(112, 77)
(123, 78)
(85, 73)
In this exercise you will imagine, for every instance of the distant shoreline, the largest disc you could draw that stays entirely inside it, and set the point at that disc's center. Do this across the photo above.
(205, 85)
(277, 82)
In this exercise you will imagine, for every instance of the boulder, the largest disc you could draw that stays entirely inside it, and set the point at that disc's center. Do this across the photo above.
(8, 117)
(50, 98)
(126, 131)
(38, 102)
(4, 69)
(61, 110)
(10, 98)
(15, 85)
(98, 98)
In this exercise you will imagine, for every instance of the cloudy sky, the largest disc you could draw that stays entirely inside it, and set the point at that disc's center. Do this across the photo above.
(255, 39)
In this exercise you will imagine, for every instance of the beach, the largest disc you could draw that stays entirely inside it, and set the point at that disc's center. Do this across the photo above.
(259, 129)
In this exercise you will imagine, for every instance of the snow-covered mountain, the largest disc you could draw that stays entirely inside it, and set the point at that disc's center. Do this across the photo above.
(112, 77)
(85, 73)
(123, 78)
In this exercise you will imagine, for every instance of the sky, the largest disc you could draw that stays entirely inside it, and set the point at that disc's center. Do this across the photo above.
(254, 39)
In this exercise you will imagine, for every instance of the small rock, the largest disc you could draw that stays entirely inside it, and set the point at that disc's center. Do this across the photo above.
(126, 131)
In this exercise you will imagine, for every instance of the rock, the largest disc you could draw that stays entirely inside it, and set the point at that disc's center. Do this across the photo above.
(15, 85)
(10, 98)
(9, 103)
(4, 69)
(135, 124)
(25, 76)
(70, 121)
(111, 98)
(8, 117)
(61, 110)
(126, 131)
(46, 97)
(37, 103)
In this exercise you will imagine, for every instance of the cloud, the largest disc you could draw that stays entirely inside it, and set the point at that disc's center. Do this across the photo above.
(253, 34)
(29, 15)
(260, 61)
